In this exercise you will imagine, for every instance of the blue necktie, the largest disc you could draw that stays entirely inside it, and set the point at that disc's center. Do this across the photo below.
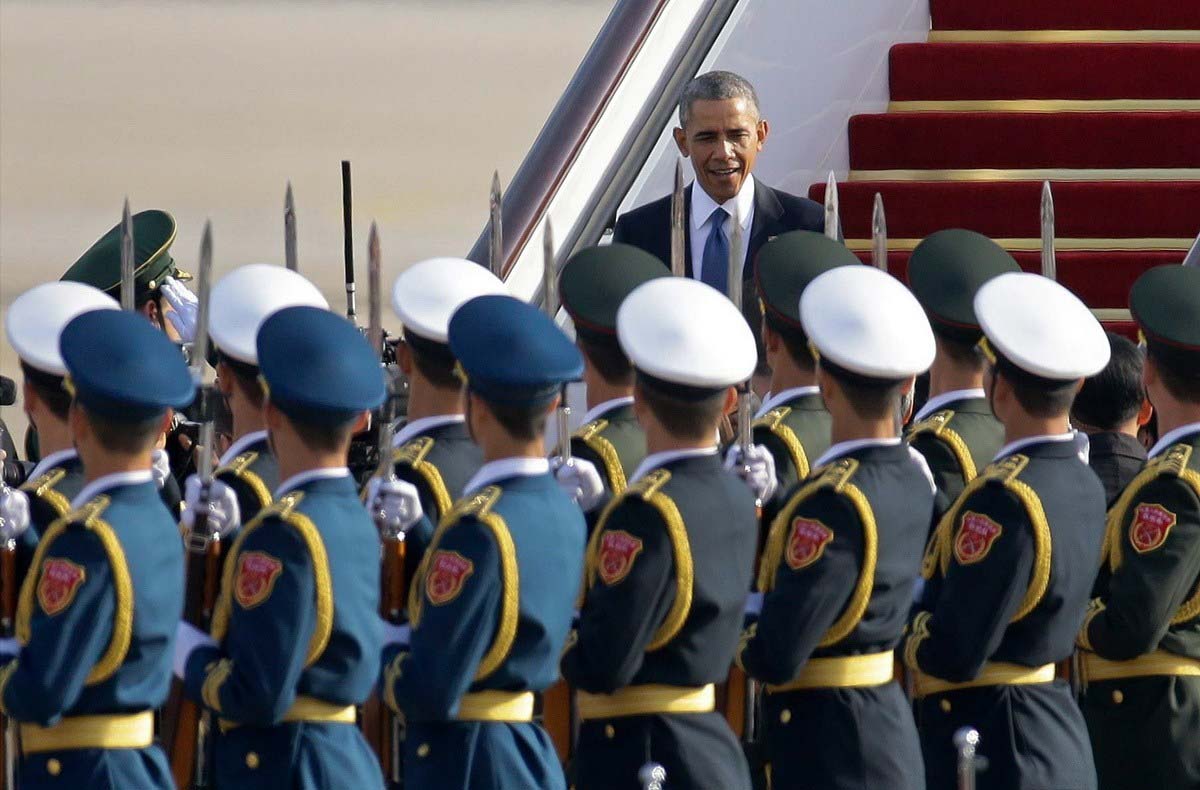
(715, 268)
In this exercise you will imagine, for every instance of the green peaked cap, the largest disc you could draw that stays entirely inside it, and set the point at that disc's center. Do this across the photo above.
(945, 272)
(596, 280)
(153, 234)
(788, 263)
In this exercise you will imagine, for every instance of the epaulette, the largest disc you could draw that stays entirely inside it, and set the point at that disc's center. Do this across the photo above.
(590, 435)
(478, 504)
(413, 455)
(938, 425)
(834, 475)
(649, 485)
(86, 514)
(934, 423)
(281, 508)
(773, 421)
(588, 430)
(42, 487)
(414, 452)
(239, 467)
(1175, 460)
(1172, 463)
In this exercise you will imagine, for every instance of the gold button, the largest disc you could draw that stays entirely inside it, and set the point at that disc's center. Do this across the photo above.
(53, 767)
(1118, 697)
(252, 760)
(610, 731)
(944, 705)
(785, 716)
(423, 750)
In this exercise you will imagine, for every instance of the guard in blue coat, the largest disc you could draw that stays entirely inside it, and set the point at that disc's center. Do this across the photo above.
(670, 561)
(491, 605)
(844, 553)
(296, 633)
(1010, 566)
(97, 613)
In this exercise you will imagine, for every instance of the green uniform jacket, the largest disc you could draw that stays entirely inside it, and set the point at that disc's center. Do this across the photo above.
(796, 432)
(615, 443)
(958, 441)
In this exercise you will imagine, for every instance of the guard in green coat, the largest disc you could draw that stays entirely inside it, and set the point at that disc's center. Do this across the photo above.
(670, 560)
(955, 429)
(592, 286)
(1011, 563)
(97, 613)
(491, 605)
(845, 551)
(1140, 643)
(792, 422)
(296, 632)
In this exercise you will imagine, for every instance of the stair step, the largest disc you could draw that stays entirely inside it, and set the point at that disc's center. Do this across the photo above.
(1065, 14)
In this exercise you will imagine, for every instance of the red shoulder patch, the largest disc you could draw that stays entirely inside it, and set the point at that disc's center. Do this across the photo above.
(1150, 526)
(807, 542)
(60, 581)
(976, 534)
(618, 550)
(448, 572)
(256, 575)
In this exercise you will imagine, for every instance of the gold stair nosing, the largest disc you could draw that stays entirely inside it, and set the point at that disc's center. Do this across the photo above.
(1065, 36)
(1061, 244)
(1045, 105)
(1031, 174)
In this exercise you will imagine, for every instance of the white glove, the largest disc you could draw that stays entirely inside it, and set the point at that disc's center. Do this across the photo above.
(754, 604)
(185, 306)
(14, 513)
(394, 505)
(757, 469)
(160, 467)
(224, 514)
(579, 480)
(396, 634)
(187, 638)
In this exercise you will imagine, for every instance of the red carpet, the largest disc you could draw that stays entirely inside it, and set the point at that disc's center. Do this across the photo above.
(929, 72)
(1024, 140)
(1065, 14)
(1011, 209)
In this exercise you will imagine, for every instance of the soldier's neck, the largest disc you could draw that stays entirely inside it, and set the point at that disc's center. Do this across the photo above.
(851, 427)
(53, 435)
(1173, 414)
(948, 376)
(600, 391)
(426, 400)
(786, 375)
(298, 458)
(247, 418)
(660, 440)
(1021, 425)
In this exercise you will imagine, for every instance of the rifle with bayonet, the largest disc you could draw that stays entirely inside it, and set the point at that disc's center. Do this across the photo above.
(496, 228)
(188, 729)
(1049, 265)
(289, 229)
(678, 238)
(879, 237)
(833, 220)
(127, 262)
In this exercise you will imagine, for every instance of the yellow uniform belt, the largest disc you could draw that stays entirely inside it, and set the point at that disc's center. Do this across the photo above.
(496, 706)
(992, 674)
(642, 700)
(1159, 662)
(309, 709)
(843, 672)
(115, 731)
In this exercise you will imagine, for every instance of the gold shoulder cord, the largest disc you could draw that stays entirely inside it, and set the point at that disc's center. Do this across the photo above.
(240, 468)
(938, 424)
(773, 421)
(44, 488)
(413, 455)
(590, 435)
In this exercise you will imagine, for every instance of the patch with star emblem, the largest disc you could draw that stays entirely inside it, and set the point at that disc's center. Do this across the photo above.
(976, 534)
(256, 575)
(60, 581)
(1151, 524)
(618, 550)
(448, 572)
(806, 543)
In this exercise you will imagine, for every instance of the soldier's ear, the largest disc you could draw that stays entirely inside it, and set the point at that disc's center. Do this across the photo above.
(1145, 413)
(362, 422)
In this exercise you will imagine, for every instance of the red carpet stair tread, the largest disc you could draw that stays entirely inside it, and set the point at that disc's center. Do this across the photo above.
(1011, 209)
(969, 71)
(1065, 14)
(935, 141)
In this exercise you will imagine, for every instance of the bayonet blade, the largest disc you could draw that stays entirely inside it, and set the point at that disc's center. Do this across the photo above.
(199, 356)
(1049, 265)
(733, 284)
(496, 226)
(127, 260)
(348, 242)
(678, 237)
(832, 212)
(879, 240)
(374, 292)
(289, 230)
(549, 272)
(1193, 256)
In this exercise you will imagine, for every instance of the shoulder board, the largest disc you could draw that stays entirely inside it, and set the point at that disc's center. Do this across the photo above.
(41, 484)
(414, 452)
(834, 475)
(87, 514)
(478, 504)
(934, 423)
(591, 429)
(281, 508)
(649, 485)
(1175, 460)
(239, 465)
(1006, 470)
(772, 419)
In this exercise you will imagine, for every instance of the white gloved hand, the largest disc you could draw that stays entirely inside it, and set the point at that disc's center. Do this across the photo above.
(224, 514)
(160, 467)
(396, 634)
(395, 505)
(757, 469)
(185, 306)
(187, 638)
(10, 647)
(579, 480)
(14, 513)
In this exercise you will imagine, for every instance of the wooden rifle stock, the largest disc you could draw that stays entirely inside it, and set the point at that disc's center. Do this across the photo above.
(8, 612)
(380, 726)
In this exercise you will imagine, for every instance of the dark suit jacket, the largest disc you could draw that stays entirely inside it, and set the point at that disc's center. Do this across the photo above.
(648, 227)
(1116, 458)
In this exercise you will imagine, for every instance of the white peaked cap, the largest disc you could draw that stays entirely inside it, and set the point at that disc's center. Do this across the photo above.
(685, 332)
(866, 321)
(36, 318)
(246, 297)
(427, 293)
(1041, 327)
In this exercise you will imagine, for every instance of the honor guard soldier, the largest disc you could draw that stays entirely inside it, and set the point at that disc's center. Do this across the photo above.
(955, 430)
(491, 605)
(1140, 641)
(844, 552)
(434, 451)
(792, 422)
(97, 612)
(1014, 557)
(34, 323)
(592, 286)
(670, 561)
(240, 302)
(296, 632)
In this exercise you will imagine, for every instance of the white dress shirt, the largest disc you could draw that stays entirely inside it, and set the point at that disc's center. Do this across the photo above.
(239, 446)
(702, 208)
(659, 460)
(105, 482)
(1079, 438)
(423, 425)
(776, 399)
(600, 409)
(52, 460)
(309, 475)
(938, 401)
(503, 469)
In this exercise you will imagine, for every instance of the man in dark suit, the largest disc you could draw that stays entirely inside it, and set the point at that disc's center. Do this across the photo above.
(722, 132)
